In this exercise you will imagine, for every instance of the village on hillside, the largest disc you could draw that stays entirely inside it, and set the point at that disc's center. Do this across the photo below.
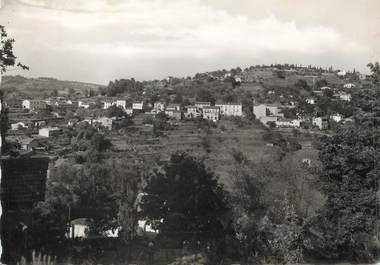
(304, 104)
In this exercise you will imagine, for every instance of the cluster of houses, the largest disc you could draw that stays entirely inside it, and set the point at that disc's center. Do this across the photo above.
(269, 113)
(200, 109)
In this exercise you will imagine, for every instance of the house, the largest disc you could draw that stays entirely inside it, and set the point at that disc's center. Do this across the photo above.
(122, 103)
(192, 112)
(33, 104)
(337, 117)
(288, 123)
(159, 106)
(211, 113)
(49, 131)
(201, 105)
(84, 104)
(129, 111)
(105, 122)
(108, 103)
(18, 125)
(174, 114)
(344, 96)
(264, 110)
(138, 105)
(320, 122)
(349, 85)
(325, 88)
(230, 109)
(174, 107)
(80, 228)
(39, 123)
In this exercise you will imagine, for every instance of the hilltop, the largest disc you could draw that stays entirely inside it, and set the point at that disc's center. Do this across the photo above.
(44, 86)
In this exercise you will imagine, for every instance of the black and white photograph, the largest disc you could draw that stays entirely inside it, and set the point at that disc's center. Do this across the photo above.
(189, 132)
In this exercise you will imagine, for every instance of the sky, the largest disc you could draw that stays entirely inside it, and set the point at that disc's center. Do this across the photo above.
(101, 40)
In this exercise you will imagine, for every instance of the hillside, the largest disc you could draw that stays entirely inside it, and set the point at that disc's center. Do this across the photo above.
(43, 86)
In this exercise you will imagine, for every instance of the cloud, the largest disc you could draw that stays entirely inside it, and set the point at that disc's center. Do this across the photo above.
(153, 31)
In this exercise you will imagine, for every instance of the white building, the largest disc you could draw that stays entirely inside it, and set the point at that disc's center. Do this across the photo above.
(18, 125)
(33, 104)
(129, 111)
(320, 122)
(336, 117)
(345, 96)
(173, 107)
(83, 104)
(122, 103)
(211, 113)
(138, 105)
(230, 109)
(159, 106)
(349, 85)
(288, 123)
(201, 105)
(107, 104)
(49, 131)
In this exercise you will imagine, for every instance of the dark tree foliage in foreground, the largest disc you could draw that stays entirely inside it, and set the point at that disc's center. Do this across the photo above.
(188, 200)
(344, 229)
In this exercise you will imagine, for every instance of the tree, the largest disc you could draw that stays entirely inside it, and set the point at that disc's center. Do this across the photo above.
(188, 199)
(345, 226)
(7, 60)
(205, 95)
(115, 111)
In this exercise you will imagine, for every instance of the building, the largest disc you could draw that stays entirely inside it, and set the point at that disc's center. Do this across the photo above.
(138, 105)
(320, 122)
(122, 103)
(159, 106)
(129, 111)
(84, 104)
(288, 123)
(264, 110)
(176, 107)
(192, 112)
(344, 96)
(18, 125)
(201, 105)
(105, 122)
(231, 109)
(108, 103)
(349, 85)
(211, 113)
(49, 131)
(33, 104)
(336, 117)
(79, 228)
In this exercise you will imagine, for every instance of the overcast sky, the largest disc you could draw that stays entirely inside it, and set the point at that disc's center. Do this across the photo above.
(101, 40)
